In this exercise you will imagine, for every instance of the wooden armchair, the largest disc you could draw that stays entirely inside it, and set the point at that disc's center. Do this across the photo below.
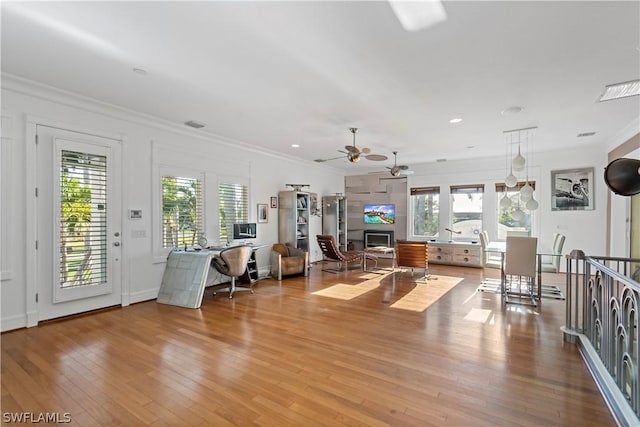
(287, 260)
(413, 254)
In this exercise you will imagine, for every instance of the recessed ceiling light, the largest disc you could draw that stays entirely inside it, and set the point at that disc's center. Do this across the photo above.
(511, 110)
(621, 90)
(455, 120)
(470, 147)
(140, 71)
(295, 145)
(441, 160)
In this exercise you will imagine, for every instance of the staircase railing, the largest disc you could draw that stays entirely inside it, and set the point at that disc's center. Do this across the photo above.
(602, 311)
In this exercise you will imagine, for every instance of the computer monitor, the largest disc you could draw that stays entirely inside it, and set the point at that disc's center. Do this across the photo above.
(244, 231)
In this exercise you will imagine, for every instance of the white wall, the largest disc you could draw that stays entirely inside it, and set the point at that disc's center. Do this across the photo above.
(142, 273)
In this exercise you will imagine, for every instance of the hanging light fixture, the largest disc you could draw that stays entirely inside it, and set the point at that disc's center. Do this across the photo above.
(518, 214)
(532, 203)
(519, 161)
(511, 180)
(526, 192)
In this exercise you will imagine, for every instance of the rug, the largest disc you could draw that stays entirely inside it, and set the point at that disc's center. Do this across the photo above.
(493, 285)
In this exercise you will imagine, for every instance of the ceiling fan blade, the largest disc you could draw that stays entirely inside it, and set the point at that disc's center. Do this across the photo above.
(326, 160)
(376, 157)
(351, 149)
(365, 150)
(403, 167)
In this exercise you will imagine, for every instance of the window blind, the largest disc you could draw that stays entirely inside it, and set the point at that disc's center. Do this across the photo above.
(83, 219)
(501, 187)
(234, 208)
(418, 191)
(466, 189)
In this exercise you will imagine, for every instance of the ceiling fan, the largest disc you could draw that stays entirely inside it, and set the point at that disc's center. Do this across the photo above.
(397, 169)
(353, 153)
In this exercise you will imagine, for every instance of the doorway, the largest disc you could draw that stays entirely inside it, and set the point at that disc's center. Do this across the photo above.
(78, 222)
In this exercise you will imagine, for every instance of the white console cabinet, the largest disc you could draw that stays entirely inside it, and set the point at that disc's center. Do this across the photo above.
(455, 253)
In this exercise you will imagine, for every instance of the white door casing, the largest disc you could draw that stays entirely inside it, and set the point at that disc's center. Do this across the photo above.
(83, 273)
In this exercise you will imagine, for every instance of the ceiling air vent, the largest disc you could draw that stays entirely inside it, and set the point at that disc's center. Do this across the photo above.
(582, 135)
(194, 124)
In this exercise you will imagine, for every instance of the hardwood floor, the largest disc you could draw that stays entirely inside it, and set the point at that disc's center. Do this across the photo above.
(286, 357)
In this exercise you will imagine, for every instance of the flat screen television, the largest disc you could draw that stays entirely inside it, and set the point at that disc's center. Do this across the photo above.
(380, 214)
(244, 231)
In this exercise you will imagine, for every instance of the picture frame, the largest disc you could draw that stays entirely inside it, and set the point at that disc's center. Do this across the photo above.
(263, 213)
(274, 201)
(572, 190)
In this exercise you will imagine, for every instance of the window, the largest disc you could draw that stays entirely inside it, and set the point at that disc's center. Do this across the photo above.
(466, 211)
(508, 219)
(425, 202)
(234, 207)
(182, 211)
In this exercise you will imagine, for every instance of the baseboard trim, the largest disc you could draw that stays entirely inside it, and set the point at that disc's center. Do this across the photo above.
(13, 322)
(145, 295)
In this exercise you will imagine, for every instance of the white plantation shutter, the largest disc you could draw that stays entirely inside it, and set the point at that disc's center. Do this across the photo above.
(234, 207)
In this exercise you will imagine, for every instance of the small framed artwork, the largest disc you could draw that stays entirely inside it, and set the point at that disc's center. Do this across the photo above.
(572, 190)
(274, 202)
(263, 212)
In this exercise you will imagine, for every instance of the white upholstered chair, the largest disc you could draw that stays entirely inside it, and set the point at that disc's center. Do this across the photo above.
(519, 275)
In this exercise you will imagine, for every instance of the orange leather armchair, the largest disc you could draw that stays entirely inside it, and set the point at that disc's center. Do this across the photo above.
(287, 260)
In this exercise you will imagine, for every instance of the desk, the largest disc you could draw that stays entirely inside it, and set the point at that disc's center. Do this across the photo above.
(186, 273)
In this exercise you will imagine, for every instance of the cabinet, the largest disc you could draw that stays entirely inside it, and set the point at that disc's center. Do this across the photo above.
(455, 253)
(250, 275)
(293, 218)
(334, 219)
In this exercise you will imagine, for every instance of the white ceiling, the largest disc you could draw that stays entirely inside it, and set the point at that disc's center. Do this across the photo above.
(272, 74)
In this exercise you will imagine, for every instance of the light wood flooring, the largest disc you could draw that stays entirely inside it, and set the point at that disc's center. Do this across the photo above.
(286, 357)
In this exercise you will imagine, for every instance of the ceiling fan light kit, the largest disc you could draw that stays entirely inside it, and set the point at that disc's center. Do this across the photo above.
(354, 153)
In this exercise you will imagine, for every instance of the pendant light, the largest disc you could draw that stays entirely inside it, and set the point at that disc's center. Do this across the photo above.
(518, 162)
(518, 214)
(511, 180)
(531, 204)
(526, 192)
(505, 202)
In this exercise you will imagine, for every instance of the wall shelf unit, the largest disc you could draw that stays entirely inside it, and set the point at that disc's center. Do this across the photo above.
(334, 219)
(293, 218)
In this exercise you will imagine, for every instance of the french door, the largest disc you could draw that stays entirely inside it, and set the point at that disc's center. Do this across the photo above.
(78, 222)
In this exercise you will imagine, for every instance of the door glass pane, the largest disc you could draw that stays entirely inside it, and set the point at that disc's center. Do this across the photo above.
(83, 219)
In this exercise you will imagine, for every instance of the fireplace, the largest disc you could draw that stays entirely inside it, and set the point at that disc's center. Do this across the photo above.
(378, 238)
